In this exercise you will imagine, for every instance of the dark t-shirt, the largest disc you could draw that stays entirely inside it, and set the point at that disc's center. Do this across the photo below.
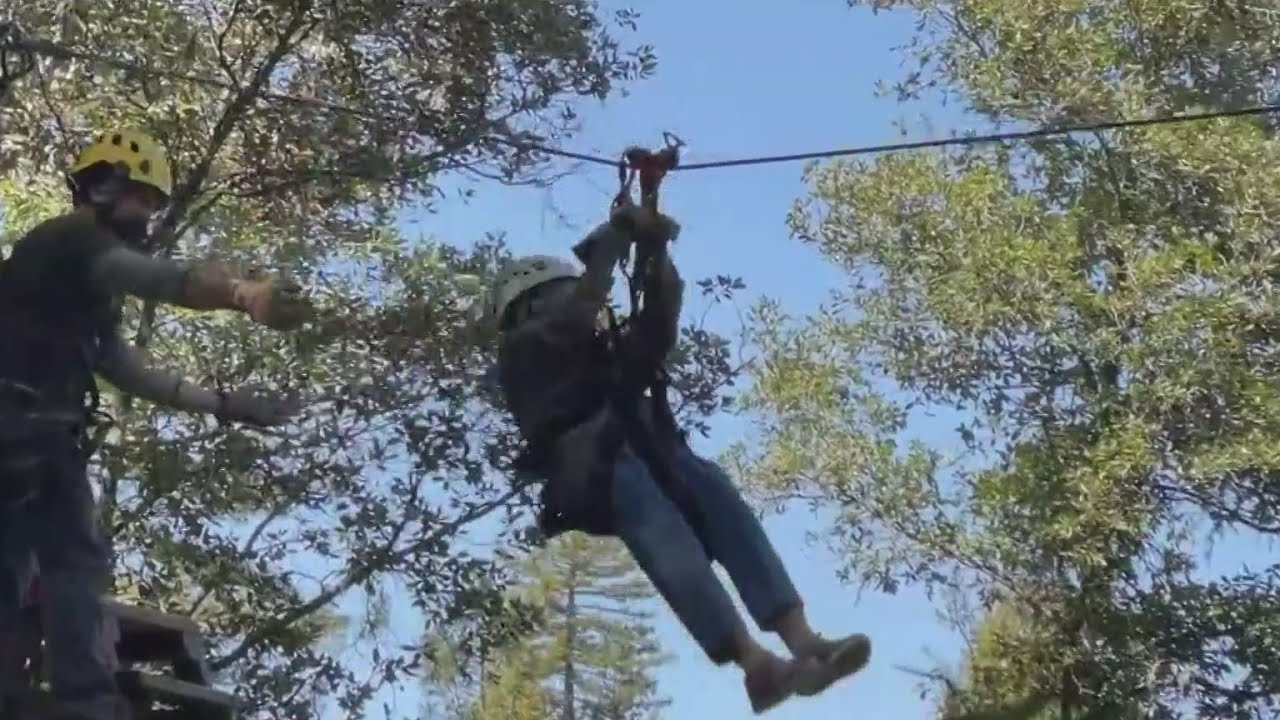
(558, 373)
(52, 314)
(553, 372)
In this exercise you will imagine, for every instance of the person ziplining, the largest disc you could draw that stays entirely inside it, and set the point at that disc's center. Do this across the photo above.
(613, 461)
(61, 292)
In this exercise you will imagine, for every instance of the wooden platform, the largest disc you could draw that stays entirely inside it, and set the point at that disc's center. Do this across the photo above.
(150, 636)
(156, 696)
(141, 637)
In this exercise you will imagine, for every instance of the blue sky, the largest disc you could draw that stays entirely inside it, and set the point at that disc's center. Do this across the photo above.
(748, 77)
(743, 78)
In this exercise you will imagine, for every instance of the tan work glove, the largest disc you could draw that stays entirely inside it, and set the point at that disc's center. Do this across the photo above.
(275, 303)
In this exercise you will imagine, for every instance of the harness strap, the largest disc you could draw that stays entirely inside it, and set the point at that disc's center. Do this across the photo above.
(641, 371)
(29, 432)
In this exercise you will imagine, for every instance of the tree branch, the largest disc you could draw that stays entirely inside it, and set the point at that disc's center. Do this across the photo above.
(185, 194)
(245, 549)
(356, 577)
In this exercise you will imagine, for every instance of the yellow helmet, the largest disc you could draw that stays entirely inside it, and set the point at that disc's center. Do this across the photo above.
(140, 153)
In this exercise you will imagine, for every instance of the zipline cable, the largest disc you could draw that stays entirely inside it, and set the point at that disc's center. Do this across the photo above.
(993, 138)
(12, 40)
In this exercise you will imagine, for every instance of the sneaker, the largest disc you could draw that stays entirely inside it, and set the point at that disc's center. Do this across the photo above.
(834, 661)
(771, 684)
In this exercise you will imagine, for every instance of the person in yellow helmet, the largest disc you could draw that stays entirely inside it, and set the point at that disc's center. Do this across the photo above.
(61, 292)
(677, 513)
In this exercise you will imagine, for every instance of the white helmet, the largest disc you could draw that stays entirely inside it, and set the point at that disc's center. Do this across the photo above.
(523, 274)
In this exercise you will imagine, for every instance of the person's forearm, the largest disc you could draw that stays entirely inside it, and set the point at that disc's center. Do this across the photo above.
(126, 368)
(199, 287)
(666, 298)
(663, 306)
(126, 272)
(670, 298)
(169, 389)
(600, 252)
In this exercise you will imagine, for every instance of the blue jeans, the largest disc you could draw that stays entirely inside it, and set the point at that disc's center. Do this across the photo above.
(670, 553)
(58, 525)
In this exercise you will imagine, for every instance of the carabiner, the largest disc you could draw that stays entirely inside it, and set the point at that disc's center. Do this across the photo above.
(650, 167)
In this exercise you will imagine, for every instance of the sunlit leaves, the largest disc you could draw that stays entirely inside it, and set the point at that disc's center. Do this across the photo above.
(299, 132)
(1095, 313)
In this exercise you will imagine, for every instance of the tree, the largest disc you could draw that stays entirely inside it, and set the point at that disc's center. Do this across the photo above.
(465, 681)
(994, 684)
(601, 641)
(593, 653)
(1100, 311)
(299, 130)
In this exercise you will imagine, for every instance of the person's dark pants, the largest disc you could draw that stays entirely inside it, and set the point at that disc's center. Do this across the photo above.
(49, 512)
(671, 554)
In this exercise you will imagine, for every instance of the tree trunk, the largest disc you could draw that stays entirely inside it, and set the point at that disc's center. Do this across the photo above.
(570, 640)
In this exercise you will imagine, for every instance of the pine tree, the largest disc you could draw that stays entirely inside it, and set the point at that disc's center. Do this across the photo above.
(594, 656)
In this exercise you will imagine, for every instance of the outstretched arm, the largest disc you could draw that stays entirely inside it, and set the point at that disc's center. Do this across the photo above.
(666, 302)
(125, 271)
(125, 367)
(600, 253)
(664, 296)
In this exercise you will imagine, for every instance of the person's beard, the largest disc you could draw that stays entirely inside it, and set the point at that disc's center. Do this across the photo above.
(134, 231)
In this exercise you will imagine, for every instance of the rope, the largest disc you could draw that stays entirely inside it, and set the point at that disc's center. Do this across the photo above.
(12, 40)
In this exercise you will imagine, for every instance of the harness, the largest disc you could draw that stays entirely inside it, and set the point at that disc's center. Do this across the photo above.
(635, 375)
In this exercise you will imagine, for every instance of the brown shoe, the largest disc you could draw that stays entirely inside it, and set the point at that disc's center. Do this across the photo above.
(834, 661)
(771, 684)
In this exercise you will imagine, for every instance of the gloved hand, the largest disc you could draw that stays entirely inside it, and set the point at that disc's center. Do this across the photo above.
(629, 223)
(656, 230)
(256, 406)
(607, 238)
(645, 224)
(275, 303)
